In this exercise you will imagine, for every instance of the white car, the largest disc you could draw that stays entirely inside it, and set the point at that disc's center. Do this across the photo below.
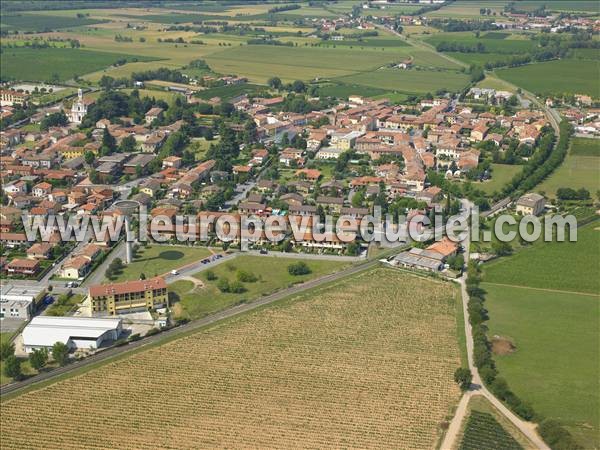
(174, 272)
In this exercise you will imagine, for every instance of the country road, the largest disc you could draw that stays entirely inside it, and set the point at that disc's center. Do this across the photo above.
(528, 429)
(113, 352)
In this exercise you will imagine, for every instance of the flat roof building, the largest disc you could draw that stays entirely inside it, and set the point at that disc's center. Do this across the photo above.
(75, 332)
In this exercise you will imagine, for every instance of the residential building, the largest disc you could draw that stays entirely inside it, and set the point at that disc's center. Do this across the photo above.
(531, 204)
(128, 296)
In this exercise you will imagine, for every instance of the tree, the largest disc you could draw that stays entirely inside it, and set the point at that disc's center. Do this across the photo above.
(57, 119)
(89, 157)
(210, 275)
(463, 377)
(60, 353)
(298, 86)
(456, 262)
(128, 144)
(275, 83)
(109, 143)
(246, 276)
(38, 358)
(502, 248)
(353, 249)
(12, 368)
(299, 268)
(6, 349)
(223, 285)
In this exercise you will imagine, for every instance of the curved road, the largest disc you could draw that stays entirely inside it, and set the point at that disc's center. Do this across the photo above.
(190, 326)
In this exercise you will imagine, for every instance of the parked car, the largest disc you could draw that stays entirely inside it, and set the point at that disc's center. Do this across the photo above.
(174, 272)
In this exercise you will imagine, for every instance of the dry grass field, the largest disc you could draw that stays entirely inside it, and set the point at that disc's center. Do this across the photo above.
(365, 363)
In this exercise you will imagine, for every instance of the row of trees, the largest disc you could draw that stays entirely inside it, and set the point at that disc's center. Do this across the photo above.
(551, 431)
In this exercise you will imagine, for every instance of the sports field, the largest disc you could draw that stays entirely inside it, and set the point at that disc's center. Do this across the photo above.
(580, 169)
(556, 77)
(60, 63)
(362, 363)
(545, 300)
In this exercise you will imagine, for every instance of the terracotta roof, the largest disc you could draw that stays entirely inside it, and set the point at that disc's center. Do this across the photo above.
(127, 287)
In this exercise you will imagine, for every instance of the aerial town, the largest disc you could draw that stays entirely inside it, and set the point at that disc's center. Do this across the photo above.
(170, 119)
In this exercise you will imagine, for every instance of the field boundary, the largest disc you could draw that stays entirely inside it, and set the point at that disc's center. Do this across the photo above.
(558, 291)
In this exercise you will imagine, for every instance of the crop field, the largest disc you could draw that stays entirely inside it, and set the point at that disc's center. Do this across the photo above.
(271, 275)
(478, 59)
(508, 44)
(561, 5)
(39, 22)
(483, 431)
(260, 62)
(64, 63)
(555, 364)
(549, 77)
(467, 9)
(580, 169)
(410, 81)
(159, 259)
(563, 266)
(342, 90)
(585, 147)
(341, 366)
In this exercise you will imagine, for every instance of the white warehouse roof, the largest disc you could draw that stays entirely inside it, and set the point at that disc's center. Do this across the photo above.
(44, 331)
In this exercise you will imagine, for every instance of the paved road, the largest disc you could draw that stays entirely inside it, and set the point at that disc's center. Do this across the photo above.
(178, 331)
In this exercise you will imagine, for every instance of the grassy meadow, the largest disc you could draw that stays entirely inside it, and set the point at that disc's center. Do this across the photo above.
(271, 275)
(580, 169)
(556, 77)
(545, 299)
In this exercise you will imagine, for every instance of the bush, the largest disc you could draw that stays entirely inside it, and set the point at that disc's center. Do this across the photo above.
(210, 275)
(246, 277)
(12, 368)
(236, 287)
(223, 285)
(556, 436)
(7, 349)
(153, 331)
(299, 268)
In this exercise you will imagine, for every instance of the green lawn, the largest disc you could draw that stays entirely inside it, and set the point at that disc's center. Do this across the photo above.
(555, 77)
(160, 259)
(63, 63)
(555, 365)
(410, 81)
(565, 266)
(272, 274)
(580, 169)
(501, 174)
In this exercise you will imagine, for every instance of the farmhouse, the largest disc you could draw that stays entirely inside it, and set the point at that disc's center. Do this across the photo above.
(531, 204)
(76, 332)
(128, 296)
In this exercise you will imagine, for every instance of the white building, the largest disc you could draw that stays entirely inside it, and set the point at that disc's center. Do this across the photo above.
(78, 109)
(75, 332)
(19, 302)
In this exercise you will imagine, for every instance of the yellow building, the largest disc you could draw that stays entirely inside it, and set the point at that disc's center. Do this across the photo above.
(128, 296)
(72, 152)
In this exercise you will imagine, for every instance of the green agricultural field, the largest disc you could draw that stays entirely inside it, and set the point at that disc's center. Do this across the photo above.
(160, 259)
(260, 62)
(586, 53)
(478, 59)
(585, 147)
(556, 77)
(467, 9)
(484, 431)
(229, 92)
(271, 273)
(410, 81)
(167, 96)
(367, 43)
(580, 169)
(501, 174)
(342, 90)
(58, 63)
(38, 22)
(560, 5)
(563, 266)
(555, 363)
(511, 44)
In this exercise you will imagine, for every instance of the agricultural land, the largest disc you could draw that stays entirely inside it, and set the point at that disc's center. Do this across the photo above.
(298, 382)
